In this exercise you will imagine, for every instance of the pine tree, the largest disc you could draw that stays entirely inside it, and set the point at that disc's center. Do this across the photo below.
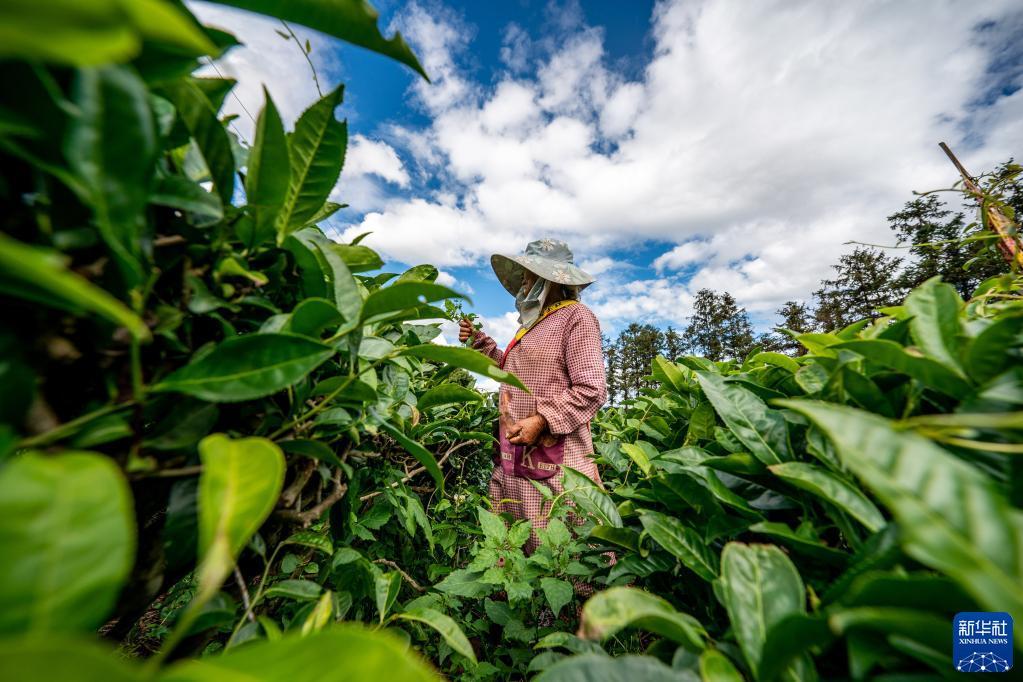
(867, 280)
(629, 359)
(718, 328)
(934, 231)
(613, 369)
(673, 345)
(797, 317)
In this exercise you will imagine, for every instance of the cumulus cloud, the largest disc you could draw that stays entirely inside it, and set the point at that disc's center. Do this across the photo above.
(372, 157)
(756, 141)
(759, 138)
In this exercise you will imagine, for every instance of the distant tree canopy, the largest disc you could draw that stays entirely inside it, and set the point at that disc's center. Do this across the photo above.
(865, 281)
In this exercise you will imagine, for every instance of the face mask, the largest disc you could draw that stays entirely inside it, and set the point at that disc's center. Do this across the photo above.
(528, 304)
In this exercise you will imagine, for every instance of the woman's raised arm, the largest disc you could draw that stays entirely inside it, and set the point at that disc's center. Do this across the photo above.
(487, 346)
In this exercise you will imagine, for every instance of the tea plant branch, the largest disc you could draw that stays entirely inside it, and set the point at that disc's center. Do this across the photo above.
(169, 240)
(258, 596)
(246, 602)
(405, 576)
(418, 470)
(305, 53)
(194, 470)
(308, 517)
(291, 493)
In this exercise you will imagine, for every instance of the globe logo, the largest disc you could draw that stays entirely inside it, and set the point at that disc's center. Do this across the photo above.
(978, 662)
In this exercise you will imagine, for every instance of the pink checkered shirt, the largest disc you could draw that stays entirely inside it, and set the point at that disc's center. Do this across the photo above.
(561, 361)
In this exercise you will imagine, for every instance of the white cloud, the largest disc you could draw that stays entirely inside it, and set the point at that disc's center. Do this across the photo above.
(371, 157)
(515, 48)
(438, 36)
(598, 266)
(759, 138)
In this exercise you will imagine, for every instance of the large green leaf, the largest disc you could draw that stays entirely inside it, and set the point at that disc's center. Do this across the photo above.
(922, 627)
(789, 639)
(592, 667)
(94, 32)
(422, 455)
(760, 587)
(715, 667)
(317, 152)
(757, 426)
(298, 590)
(239, 485)
(558, 592)
(248, 367)
(951, 517)
(312, 317)
(444, 625)
(988, 354)
(809, 547)
(935, 327)
(185, 194)
(666, 371)
(590, 498)
(446, 394)
(320, 262)
(463, 583)
(927, 371)
(832, 488)
(472, 360)
(68, 538)
(269, 172)
(402, 296)
(198, 114)
(40, 276)
(56, 658)
(682, 541)
(638, 454)
(352, 20)
(617, 608)
(111, 147)
(359, 258)
(338, 653)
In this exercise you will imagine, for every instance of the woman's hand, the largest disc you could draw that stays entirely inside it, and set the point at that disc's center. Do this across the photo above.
(527, 431)
(465, 330)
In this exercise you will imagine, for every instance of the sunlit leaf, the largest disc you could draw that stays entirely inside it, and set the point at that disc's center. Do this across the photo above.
(444, 625)
(248, 367)
(760, 586)
(39, 275)
(269, 172)
(465, 358)
(617, 608)
(68, 535)
(317, 151)
(111, 146)
(239, 485)
(830, 487)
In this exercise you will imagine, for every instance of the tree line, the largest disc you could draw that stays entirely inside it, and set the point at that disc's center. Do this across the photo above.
(865, 282)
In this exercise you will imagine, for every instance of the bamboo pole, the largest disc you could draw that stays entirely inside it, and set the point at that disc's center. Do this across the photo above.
(1008, 238)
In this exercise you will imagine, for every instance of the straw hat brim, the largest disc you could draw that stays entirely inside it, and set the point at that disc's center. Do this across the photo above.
(509, 271)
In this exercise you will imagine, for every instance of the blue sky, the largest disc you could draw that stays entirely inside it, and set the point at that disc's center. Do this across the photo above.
(676, 145)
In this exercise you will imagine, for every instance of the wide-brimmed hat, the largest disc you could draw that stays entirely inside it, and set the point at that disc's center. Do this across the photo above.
(550, 259)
